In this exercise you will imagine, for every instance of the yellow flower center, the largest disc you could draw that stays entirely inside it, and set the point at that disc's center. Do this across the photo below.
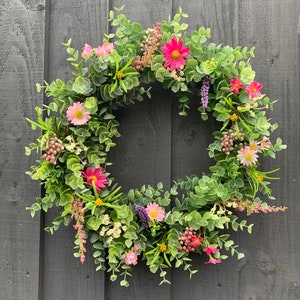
(99, 202)
(253, 146)
(93, 178)
(233, 117)
(260, 178)
(162, 247)
(78, 114)
(153, 214)
(248, 156)
(175, 54)
(120, 75)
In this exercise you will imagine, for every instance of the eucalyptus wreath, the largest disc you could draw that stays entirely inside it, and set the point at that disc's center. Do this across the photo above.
(79, 127)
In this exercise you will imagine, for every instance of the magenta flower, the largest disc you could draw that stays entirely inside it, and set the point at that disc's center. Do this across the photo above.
(77, 115)
(155, 212)
(105, 49)
(175, 54)
(210, 250)
(253, 90)
(247, 156)
(87, 51)
(196, 241)
(95, 176)
(235, 86)
(131, 258)
(213, 261)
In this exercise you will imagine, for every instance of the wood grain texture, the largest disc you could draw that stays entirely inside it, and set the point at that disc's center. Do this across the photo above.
(21, 65)
(220, 16)
(273, 249)
(64, 276)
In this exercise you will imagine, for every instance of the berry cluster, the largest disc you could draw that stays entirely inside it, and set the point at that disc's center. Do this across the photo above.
(230, 138)
(148, 47)
(52, 147)
(189, 241)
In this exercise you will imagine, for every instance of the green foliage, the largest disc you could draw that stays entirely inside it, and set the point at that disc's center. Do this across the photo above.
(162, 226)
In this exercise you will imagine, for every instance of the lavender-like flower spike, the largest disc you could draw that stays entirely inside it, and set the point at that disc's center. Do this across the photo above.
(143, 215)
(204, 90)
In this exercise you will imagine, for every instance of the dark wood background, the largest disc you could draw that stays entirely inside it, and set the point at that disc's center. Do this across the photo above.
(156, 145)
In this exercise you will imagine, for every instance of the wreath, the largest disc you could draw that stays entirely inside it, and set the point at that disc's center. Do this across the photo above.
(78, 129)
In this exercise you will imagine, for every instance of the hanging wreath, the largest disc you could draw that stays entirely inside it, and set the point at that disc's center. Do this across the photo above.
(79, 128)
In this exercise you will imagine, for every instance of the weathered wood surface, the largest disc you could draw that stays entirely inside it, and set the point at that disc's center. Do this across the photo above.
(21, 66)
(156, 145)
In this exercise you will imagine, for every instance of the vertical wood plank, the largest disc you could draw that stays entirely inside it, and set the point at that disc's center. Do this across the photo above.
(64, 276)
(22, 64)
(143, 154)
(273, 249)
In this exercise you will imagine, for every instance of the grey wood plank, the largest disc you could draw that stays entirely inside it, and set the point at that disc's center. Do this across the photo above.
(273, 249)
(22, 65)
(64, 276)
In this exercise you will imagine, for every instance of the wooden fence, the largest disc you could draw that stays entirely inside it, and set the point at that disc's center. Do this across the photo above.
(156, 145)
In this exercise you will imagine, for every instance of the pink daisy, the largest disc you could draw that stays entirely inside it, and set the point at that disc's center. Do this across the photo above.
(253, 90)
(95, 175)
(247, 156)
(87, 51)
(155, 212)
(175, 54)
(235, 86)
(77, 115)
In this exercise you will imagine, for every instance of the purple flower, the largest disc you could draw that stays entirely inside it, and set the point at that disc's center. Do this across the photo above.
(143, 215)
(204, 90)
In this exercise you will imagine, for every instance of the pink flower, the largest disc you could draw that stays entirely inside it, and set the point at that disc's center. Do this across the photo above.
(87, 51)
(210, 250)
(253, 90)
(196, 241)
(77, 115)
(131, 258)
(155, 212)
(265, 143)
(136, 246)
(236, 85)
(247, 156)
(175, 54)
(95, 175)
(213, 261)
(105, 49)
(108, 47)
